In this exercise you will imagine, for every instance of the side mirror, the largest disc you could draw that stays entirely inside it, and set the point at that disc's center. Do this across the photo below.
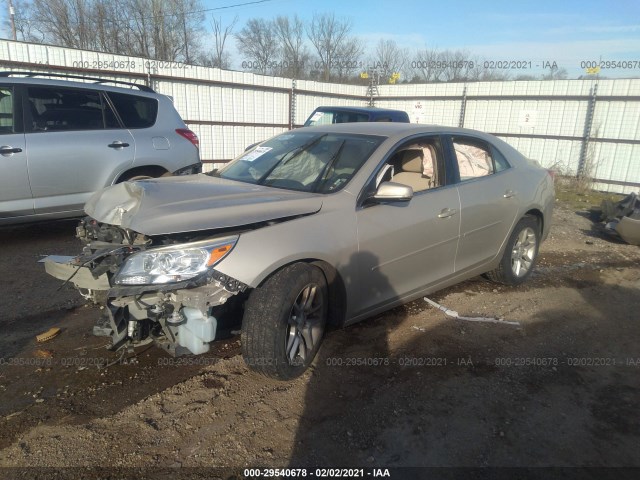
(393, 192)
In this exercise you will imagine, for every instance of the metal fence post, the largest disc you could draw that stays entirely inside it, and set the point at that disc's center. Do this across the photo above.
(463, 107)
(292, 105)
(372, 90)
(588, 125)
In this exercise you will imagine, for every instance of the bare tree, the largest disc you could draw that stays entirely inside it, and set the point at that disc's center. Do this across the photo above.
(219, 57)
(188, 16)
(480, 73)
(347, 59)
(424, 66)
(26, 29)
(329, 36)
(258, 42)
(431, 65)
(110, 36)
(294, 53)
(454, 65)
(555, 73)
(389, 59)
(161, 29)
(64, 22)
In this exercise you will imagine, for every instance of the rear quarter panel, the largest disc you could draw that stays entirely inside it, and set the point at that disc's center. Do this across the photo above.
(160, 145)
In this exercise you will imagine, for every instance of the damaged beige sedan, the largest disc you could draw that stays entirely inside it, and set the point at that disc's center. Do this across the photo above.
(316, 226)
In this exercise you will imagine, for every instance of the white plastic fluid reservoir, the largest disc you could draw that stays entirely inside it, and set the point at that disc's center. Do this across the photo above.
(196, 333)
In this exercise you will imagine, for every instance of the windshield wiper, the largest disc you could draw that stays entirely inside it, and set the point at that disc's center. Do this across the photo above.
(327, 168)
(294, 153)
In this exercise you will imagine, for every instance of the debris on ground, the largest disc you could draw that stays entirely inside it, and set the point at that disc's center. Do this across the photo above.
(453, 314)
(48, 335)
(623, 218)
(42, 353)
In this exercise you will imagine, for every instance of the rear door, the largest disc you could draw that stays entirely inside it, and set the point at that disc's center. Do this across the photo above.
(76, 146)
(15, 192)
(488, 199)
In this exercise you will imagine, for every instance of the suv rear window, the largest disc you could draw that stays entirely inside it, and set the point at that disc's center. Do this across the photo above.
(135, 111)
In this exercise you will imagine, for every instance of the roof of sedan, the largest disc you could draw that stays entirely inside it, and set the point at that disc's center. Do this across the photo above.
(397, 131)
(389, 129)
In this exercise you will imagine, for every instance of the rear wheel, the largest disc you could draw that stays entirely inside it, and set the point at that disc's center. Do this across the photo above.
(520, 254)
(284, 322)
(137, 177)
(143, 173)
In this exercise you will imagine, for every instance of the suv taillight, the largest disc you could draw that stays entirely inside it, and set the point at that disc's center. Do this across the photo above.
(189, 135)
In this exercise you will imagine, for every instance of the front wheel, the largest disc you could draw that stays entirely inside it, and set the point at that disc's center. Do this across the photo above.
(520, 254)
(284, 321)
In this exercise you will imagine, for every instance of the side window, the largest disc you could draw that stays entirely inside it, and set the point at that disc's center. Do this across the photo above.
(474, 158)
(499, 161)
(320, 118)
(350, 117)
(110, 120)
(134, 110)
(6, 110)
(65, 109)
(417, 164)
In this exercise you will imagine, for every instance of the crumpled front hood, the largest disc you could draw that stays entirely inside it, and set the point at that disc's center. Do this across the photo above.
(194, 203)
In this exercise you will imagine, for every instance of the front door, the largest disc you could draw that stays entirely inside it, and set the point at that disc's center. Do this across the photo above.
(407, 246)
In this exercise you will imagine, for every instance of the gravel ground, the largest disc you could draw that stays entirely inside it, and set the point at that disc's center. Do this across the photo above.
(409, 388)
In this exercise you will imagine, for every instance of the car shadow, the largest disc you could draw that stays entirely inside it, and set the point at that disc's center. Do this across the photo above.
(33, 231)
(480, 402)
(336, 384)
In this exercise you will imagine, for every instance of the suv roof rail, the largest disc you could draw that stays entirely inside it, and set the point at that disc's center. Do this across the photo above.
(142, 88)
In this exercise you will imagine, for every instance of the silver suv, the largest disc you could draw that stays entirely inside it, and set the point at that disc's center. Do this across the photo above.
(62, 140)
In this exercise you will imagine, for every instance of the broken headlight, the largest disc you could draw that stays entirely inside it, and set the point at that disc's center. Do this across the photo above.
(175, 263)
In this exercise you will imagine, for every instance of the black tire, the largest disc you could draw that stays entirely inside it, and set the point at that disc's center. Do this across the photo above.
(269, 328)
(137, 177)
(144, 174)
(520, 254)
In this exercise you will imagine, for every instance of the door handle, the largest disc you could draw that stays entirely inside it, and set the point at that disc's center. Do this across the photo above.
(8, 150)
(447, 212)
(509, 194)
(118, 144)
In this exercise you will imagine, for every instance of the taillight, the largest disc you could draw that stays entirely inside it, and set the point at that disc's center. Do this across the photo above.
(189, 135)
(552, 173)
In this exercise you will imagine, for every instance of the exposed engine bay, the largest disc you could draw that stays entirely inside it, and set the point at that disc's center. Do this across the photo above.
(180, 316)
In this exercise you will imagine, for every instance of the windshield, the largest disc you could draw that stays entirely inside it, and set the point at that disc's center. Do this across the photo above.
(304, 161)
(328, 117)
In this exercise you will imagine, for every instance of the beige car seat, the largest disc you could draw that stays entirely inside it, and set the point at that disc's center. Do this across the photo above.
(413, 169)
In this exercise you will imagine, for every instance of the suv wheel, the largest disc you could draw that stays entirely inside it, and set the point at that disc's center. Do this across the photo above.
(143, 174)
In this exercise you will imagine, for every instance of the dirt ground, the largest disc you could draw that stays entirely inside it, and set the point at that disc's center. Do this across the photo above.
(409, 388)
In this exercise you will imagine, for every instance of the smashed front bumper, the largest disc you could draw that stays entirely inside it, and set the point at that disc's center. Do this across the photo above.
(181, 318)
